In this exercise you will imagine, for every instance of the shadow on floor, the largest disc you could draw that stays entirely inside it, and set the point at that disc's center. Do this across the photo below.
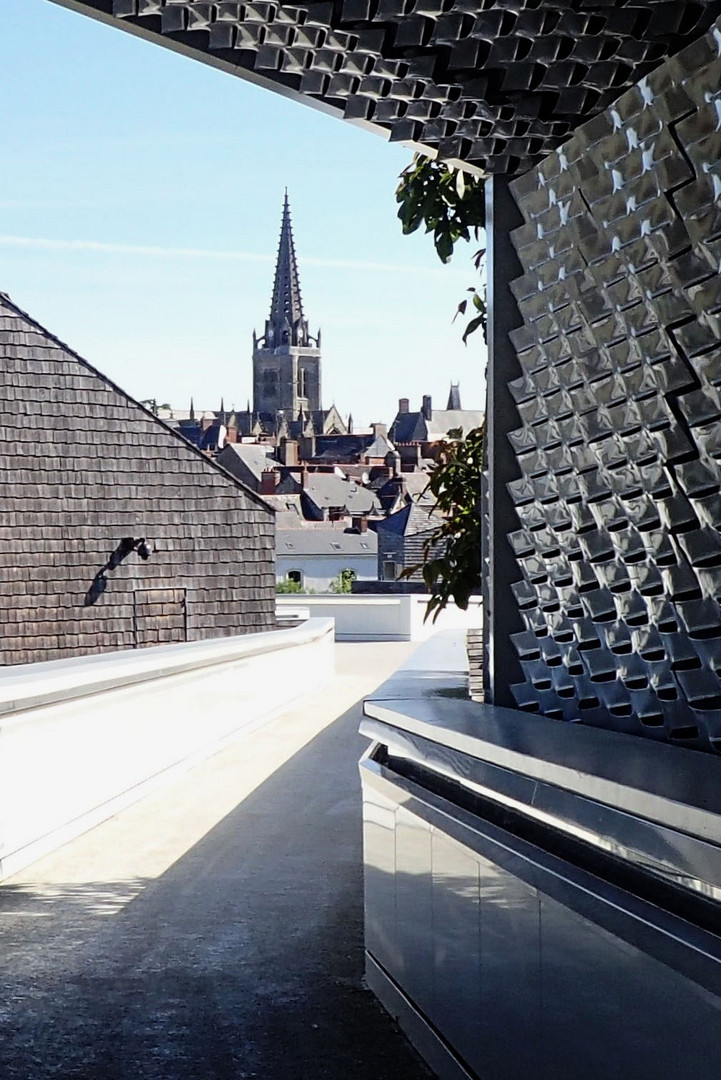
(243, 960)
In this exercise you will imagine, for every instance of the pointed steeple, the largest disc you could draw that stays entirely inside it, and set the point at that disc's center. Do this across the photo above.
(286, 324)
(454, 397)
(192, 410)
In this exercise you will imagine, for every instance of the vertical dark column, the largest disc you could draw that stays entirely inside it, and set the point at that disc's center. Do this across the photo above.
(501, 616)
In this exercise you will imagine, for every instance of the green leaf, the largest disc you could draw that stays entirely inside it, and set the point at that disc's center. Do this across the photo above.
(472, 327)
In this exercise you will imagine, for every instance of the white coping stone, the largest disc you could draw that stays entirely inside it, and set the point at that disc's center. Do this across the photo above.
(26, 686)
(83, 738)
(374, 617)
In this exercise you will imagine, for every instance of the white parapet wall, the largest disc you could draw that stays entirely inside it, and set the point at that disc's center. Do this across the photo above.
(81, 738)
(373, 617)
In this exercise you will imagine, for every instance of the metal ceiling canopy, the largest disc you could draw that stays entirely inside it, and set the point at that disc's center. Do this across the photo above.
(491, 84)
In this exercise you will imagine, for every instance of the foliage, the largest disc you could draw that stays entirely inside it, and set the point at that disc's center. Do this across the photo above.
(343, 583)
(451, 205)
(288, 587)
(449, 202)
(478, 300)
(153, 406)
(451, 564)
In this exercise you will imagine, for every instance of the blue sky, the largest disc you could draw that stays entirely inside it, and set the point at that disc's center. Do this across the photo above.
(140, 202)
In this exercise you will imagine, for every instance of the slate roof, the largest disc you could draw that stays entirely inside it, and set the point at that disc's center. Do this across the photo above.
(414, 427)
(288, 512)
(327, 491)
(85, 471)
(419, 516)
(445, 420)
(454, 397)
(497, 84)
(380, 446)
(325, 542)
(345, 449)
(417, 483)
(255, 458)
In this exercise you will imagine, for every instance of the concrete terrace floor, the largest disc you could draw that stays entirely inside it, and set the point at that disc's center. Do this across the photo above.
(213, 930)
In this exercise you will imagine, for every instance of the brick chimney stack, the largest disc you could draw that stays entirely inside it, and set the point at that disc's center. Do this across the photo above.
(268, 482)
(359, 523)
(427, 408)
(403, 405)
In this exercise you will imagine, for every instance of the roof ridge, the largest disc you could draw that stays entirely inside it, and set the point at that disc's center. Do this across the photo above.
(9, 306)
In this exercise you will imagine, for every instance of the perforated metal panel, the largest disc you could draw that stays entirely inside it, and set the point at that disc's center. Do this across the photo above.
(494, 83)
(619, 439)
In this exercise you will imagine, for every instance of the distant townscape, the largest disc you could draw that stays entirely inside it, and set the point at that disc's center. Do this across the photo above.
(351, 506)
(133, 524)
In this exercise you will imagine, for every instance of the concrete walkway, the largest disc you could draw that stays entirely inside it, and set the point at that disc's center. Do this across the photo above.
(213, 930)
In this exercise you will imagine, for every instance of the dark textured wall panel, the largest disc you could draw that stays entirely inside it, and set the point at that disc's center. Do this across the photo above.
(494, 83)
(81, 467)
(619, 436)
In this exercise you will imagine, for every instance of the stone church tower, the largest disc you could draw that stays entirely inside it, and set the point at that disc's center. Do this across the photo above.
(286, 359)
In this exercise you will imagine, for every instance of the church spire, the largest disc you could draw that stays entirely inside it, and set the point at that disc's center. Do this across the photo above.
(454, 397)
(286, 324)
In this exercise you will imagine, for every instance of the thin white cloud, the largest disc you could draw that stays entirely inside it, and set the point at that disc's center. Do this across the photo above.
(52, 204)
(107, 248)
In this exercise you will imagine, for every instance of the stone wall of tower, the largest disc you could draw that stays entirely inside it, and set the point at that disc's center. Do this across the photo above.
(309, 361)
(273, 379)
(281, 392)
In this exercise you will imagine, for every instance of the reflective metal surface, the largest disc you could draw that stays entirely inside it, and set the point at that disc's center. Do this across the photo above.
(687, 862)
(527, 967)
(654, 781)
(522, 962)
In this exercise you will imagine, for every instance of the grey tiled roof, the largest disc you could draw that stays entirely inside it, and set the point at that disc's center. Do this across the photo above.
(327, 491)
(327, 542)
(380, 446)
(288, 511)
(445, 420)
(413, 426)
(84, 472)
(255, 458)
(419, 516)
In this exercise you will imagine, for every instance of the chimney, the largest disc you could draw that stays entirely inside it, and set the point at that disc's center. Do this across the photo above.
(359, 523)
(307, 447)
(289, 452)
(268, 482)
(403, 405)
(427, 408)
(379, 429)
